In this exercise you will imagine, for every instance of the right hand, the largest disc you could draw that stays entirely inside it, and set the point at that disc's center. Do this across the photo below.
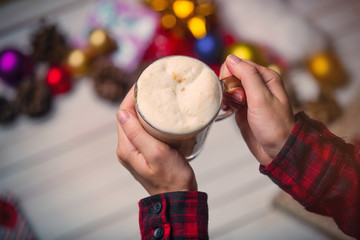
(267, 119)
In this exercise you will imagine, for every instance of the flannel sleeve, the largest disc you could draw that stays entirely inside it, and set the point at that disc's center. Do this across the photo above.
(174, 215)
(320, 171)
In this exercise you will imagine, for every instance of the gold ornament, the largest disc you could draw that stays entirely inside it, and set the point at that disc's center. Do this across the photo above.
(276, 68)
(327, 69)
(247, 51)
(77, 61)
(100, 43)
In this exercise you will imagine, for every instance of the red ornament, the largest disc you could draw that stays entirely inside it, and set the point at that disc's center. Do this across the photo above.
(8, 215)
(216, 68)
(166, 43)
(228, 39)
(59, 80)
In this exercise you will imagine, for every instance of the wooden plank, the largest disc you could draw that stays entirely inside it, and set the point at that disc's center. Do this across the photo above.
(272, 225)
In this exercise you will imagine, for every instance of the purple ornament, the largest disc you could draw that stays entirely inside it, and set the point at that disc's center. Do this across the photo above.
(14, 66)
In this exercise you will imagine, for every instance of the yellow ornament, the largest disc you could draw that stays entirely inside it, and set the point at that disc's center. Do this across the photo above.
(275, 68)
(183, 8)
(100, 42)
(77, 61)
(327, 69)
(247, 51)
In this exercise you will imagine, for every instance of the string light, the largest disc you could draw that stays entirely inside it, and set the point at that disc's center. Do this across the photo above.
(197, 26)
(168, 21)
(183, 8)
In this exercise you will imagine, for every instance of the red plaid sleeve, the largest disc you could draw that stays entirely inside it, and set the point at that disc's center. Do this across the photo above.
(174, 215)
(320, 171)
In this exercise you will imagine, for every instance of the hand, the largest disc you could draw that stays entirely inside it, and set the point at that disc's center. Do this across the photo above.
(267, 119)
(157, 166)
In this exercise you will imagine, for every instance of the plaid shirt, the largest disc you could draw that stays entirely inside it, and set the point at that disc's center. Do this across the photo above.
(317, 168)
(320, 171)
(175, 215)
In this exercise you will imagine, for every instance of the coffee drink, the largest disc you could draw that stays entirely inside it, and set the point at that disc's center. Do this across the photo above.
(177, 98)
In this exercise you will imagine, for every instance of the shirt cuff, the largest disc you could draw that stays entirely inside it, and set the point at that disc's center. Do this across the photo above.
(174, 215)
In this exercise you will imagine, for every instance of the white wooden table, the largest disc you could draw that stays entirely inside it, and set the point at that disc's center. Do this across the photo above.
(64, 172)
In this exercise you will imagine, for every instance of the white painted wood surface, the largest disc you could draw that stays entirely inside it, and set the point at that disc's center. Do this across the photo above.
(64, 171)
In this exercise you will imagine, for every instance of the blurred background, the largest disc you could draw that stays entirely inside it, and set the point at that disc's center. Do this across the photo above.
(65, 66)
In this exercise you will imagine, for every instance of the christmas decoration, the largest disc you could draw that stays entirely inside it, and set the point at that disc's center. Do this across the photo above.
(8, 216)
(58, 80)
(33, 98)
(247, 51)
(100, 43)
(131, 26)
(109, 81)
(193, 18)
(14, 66)
(327, 69)
(168, 43)
(49, 44)
(120, 39)
(325, 108)
(77, 62)
(7, 112)
(210, 49)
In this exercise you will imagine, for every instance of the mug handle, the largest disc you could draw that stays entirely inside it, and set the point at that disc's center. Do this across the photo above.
(229, 85)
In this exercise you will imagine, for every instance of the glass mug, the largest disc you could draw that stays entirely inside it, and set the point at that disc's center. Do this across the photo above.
(189, 143)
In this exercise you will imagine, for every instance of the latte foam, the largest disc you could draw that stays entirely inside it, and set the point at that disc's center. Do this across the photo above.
(178, 94)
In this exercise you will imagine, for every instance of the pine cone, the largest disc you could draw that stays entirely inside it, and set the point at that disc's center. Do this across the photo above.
(109, 81)
(33, 98)
(7, 112)
(48, 44)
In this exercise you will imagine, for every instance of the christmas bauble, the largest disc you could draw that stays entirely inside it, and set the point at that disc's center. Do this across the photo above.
(59, 80)
(14, 66)
(209, 49)
(247, 51)
(327, 69)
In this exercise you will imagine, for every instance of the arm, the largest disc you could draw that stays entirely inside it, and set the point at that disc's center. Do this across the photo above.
(320, 171)
(175, 209)
(317, 168)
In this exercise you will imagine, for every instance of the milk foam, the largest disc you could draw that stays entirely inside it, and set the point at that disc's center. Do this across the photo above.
(178, 94)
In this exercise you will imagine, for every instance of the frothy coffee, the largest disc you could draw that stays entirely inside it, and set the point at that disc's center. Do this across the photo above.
(178, 94)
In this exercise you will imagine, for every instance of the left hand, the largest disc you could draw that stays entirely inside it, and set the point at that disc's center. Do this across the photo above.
(158, 167)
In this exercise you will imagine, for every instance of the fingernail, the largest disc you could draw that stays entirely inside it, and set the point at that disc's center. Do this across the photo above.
(234, 59)
(237, 96)
(122, 116)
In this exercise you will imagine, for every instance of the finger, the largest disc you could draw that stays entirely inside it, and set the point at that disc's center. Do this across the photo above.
(248, 73)
(224, 71)
(128, 154)
(129, 101)
(143, 141)
(271, 79)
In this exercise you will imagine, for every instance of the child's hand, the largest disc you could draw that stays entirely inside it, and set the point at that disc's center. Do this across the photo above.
(158, 167)
(267, 119)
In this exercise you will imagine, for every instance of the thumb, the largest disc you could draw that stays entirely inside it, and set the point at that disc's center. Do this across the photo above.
(134, 131)
(250, 77)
